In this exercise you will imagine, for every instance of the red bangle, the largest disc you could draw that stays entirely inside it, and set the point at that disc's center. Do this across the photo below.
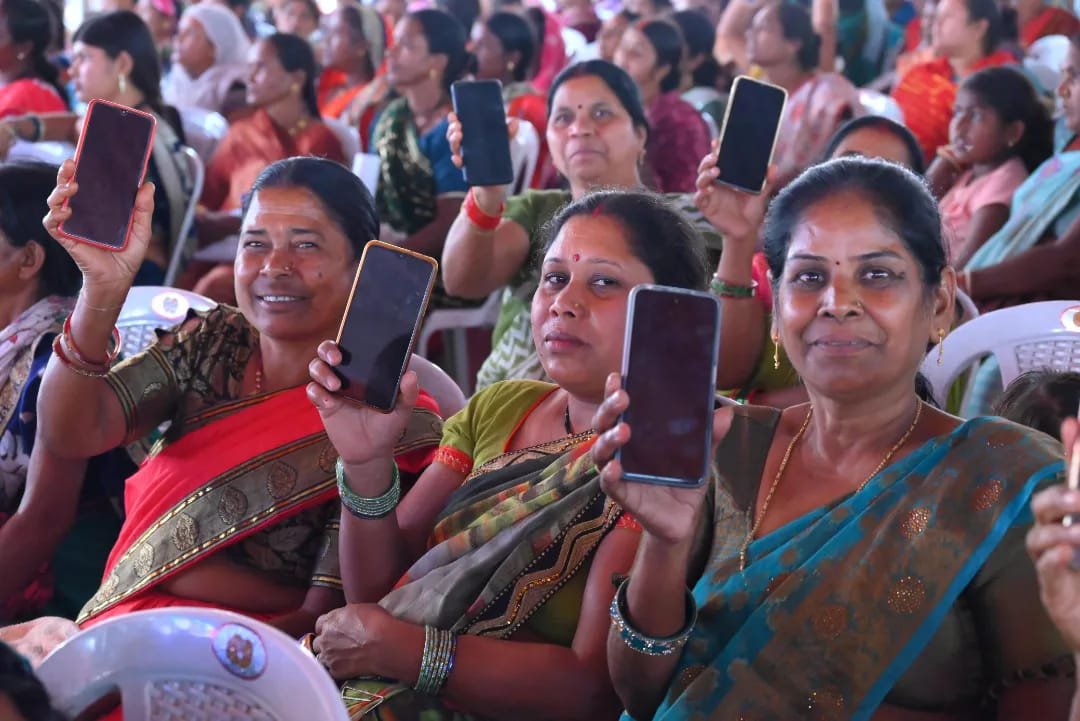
(476, 214)
(70, 343)
(58, 351)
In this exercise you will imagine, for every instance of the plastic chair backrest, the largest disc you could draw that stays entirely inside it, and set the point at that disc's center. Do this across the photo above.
(433, 379)
(710, 123)
(150, 307)
(524, 155)
(195, 664)
(348, 137)
(575, 43)
(876, 103)
(1045, 58)
(46, 151)
(197, 173)
(203, 130)
(1022, 338)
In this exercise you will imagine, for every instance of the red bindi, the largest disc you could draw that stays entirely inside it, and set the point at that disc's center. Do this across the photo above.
(576, 257)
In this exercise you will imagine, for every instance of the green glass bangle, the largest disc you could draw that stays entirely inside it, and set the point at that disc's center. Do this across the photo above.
(368, 508)
(437, 661)
(649, 645)
(730, 290)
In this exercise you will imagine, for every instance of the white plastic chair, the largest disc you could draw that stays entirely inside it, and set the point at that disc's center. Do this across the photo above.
(575, 44)
(453, 322)
(876, 103)
(197, 173)
(191, 664)
(203, 130)
(439, 385)
(524, 155)
(710, 123)
(1045, 58)
(46, 151)
(1022, 338)
(348, 137)
(150, 307)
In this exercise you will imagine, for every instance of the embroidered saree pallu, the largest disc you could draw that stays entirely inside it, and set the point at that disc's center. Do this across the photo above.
(241, 467)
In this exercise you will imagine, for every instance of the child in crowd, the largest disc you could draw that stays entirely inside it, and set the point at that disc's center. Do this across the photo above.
(1041, 399)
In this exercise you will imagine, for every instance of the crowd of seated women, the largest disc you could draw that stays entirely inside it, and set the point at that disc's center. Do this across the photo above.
(861, 549)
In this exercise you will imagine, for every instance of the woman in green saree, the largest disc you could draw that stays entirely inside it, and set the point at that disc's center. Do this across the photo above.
(866, 554)
(519, 565)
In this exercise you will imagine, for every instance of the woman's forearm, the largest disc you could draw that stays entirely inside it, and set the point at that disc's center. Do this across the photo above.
(731, 32)
(1052, 267)
(655, 606)
(429, 240)
(466, 263)
(54, 127)
(219, 581)
(742, 320)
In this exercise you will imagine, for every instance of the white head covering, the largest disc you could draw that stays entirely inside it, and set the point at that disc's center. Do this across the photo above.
(224, 31)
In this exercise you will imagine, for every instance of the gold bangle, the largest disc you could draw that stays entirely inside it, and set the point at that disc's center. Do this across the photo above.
(99, 309)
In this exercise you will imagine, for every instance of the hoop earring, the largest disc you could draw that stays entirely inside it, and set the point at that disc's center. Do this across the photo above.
(776, 351)
(121, 83)
(940, 346)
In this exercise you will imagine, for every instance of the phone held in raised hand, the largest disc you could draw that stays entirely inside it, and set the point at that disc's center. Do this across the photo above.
(110, 164)
(670, 354)
(748, 136)
(382, 320)
(485, 141)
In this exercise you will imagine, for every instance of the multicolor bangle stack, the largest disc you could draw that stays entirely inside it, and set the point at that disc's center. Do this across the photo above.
(476, 214)
(70, 356)
(648, 645)
(368, 508)
(437, 662)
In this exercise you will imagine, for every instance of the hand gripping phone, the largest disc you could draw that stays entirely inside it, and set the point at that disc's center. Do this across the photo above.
(748, 137)
(110, 164)
(485, 141)
(382, 319)
(670, 353)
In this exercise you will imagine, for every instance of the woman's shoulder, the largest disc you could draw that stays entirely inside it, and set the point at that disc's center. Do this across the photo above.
(998, 446)
(510, 394)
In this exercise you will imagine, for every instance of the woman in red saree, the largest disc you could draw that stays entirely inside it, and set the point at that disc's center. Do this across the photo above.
(235, 506)
(29, 83)
(353, 51)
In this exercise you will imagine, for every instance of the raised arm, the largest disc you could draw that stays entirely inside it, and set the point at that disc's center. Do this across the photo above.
(731, 32)
(475, 261)
(1052, 266)
(79, 416)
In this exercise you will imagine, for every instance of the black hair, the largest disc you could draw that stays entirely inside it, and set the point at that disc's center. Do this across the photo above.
(354, 19)
(658, 235)
(1041, 399)
(917, 163)
(617, 81)
(989, 11)
(19, 684)
(347, 200)
(30, 21)
(124, 31)
(669, 45)
(23, 190)
(900, 199)
(1010, 94)
(700, 37)
(516, 35)
(294, 53)
(466, 11)
(538, 20)
(795, 24)
(445, 36)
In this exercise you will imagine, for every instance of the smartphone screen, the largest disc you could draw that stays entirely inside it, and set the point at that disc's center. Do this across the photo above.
(669, 371)
(390, 296)
(110, 163)
(749, 133)
(485, 141)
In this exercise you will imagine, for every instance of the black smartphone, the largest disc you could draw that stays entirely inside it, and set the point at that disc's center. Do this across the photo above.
(110, 163)
(485, 141)
(382, 321)
(748, 138)
(670, 354)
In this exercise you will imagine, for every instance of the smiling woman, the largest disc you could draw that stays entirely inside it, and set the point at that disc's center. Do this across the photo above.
(236, 505)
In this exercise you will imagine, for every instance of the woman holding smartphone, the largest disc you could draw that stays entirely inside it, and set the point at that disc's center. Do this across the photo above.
(865, 558)
(502, 555)
(235, 504)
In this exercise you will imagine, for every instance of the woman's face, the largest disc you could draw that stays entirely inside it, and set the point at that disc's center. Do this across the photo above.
(1069, 89)
(491, 60)
(296, 17)
(268, 81)
(408, 61)
(9, 54)
(765, 42)
(637, 56)
(579, 309)
(161, 25)
(342, 49)
(851, 308)
(94, 73)
(976, 132)
(610, 34)
(294, 267)
(193, 50)
(592, 139)
(954, 33)
(875, 143)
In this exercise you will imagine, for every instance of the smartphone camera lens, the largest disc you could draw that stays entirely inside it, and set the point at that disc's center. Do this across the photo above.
(123, 113)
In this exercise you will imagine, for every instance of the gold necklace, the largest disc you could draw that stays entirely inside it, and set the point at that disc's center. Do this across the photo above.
(787, 457)
(301, 124)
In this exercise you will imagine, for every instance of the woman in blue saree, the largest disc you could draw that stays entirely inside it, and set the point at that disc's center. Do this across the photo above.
(860, 556)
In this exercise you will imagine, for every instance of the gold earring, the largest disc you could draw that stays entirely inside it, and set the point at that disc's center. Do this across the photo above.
(294, 88)
(776, 351)
(121, 82)
(940, 346)
(432, 73)
(510, 66)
